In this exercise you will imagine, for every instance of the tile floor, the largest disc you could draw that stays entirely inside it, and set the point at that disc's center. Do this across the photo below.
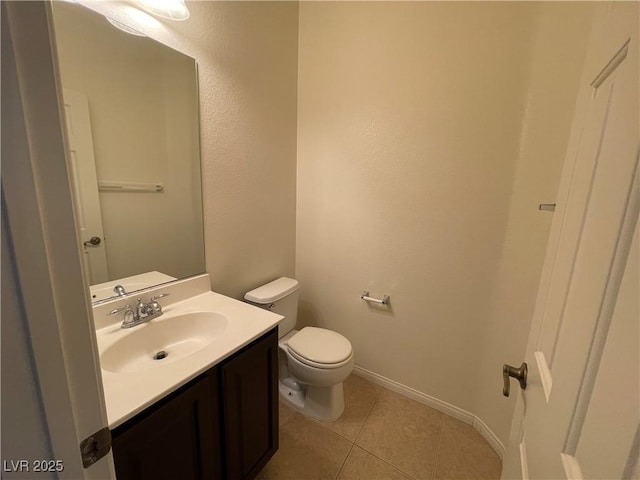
(381, 435)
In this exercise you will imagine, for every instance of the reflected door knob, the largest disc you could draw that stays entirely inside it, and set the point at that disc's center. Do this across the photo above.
(93, 242)
(518, 373)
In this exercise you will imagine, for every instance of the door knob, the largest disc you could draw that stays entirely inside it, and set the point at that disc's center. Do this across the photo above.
(519, 373)
(93, 242)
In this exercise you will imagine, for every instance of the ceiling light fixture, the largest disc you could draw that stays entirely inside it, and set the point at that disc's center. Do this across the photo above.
(170, 9)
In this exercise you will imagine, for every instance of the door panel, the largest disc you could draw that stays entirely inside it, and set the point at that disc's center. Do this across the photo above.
(616, 383)
(586, 320)
(85, 185)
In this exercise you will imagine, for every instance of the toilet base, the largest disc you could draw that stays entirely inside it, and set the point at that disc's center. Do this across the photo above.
(322, 403)
(293, 397)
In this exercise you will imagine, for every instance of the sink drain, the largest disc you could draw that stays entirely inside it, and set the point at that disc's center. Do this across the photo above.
(160, 355)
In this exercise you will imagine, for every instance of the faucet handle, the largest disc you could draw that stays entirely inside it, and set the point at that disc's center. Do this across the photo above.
(126, 309)
(154, 306)
(129, 317)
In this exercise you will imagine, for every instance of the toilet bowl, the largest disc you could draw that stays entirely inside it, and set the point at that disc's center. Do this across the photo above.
(310, 383)
(313, 362)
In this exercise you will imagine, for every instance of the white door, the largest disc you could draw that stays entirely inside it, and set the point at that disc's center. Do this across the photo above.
(85, 186)
(62, 367)
(579, 415)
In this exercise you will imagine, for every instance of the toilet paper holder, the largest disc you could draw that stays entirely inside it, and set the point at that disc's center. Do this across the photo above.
(365, 296)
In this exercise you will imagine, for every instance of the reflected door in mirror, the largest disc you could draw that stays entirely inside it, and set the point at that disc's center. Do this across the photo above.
(85, 186)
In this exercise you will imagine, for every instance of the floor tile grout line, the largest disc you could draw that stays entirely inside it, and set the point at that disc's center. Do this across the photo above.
(344, 462)
(395, 467)
(435, 468)
(324, 425)
(317, 422)
(373, 405)
(355, 444)
(376, 398)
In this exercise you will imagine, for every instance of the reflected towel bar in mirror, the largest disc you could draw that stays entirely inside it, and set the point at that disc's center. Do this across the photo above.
(130, 187)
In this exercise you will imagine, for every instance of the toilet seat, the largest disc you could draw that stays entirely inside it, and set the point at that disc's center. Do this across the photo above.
(320, 348)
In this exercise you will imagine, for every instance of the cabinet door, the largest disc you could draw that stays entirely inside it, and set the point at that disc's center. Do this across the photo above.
(178, 439)
(250, 406)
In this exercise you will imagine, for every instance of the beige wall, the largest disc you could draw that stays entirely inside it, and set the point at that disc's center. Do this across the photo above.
(247, 64)
(557, 57)
(427, 135)
(247, 69)
(253, 178)
(408, 126)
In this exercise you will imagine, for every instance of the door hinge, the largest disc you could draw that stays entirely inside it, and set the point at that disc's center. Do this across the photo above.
(94, 447)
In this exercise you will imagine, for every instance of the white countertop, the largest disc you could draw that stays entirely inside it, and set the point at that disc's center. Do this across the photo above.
(128, 393)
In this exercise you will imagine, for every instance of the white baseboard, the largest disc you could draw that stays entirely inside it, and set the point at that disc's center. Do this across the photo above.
(489, 436)
(444, 407)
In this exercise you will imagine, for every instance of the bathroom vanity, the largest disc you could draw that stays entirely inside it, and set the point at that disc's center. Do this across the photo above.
(222, 424)
(193, 393)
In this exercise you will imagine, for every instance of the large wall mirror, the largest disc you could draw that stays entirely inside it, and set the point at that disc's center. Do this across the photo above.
(131, 108)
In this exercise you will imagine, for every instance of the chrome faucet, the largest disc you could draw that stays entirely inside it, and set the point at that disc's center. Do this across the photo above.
(142, 313)
(120, 291)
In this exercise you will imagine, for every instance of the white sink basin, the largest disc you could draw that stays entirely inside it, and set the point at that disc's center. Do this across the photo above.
(198, 329)
(162, 341)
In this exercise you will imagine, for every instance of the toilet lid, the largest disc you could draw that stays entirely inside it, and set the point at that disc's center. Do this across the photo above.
(320, 345)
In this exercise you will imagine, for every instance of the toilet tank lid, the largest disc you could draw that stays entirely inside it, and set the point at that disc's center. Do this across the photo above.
(272, 291)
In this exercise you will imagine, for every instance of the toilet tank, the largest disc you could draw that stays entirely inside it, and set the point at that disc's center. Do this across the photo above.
(281, 297)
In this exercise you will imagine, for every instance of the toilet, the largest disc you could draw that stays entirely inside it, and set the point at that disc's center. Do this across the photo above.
(313, 362)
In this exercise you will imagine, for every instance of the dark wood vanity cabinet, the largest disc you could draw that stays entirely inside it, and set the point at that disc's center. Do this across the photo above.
(250, 407)
(179, 437)
(221, 425)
